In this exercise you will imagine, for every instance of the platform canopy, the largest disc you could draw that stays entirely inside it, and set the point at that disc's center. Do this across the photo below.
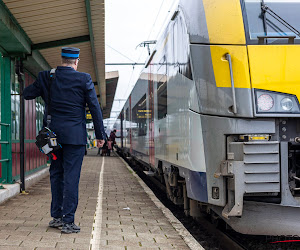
(37, 29)
(111, 85)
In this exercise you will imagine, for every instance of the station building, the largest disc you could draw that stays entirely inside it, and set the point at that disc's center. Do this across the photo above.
(31, 36)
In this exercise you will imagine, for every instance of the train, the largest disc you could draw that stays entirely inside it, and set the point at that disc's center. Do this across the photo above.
(215, 113)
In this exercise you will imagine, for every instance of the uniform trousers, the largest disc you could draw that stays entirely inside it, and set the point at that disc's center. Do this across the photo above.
(64, 178)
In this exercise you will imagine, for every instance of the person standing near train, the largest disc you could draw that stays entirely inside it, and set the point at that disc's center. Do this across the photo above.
(70, 92)
(112, 138)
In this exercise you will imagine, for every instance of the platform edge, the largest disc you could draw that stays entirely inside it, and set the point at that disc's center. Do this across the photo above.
(191, 242)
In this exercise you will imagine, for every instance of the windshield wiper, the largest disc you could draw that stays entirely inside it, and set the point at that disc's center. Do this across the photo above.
(263, 12)
(266, 9)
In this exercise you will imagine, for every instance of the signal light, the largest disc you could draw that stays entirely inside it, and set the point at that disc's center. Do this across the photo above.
(286, 104)
(265, 102)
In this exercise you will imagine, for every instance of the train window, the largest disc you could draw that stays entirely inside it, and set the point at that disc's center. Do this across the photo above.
(127, 114)
(139, 118)
(272, 26)
(169, 47)
(15, 109)
(162, 91)
(127, 122)
(39, 107)
(181, 48)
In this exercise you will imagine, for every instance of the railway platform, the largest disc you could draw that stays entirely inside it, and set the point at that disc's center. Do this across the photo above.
(116, 210)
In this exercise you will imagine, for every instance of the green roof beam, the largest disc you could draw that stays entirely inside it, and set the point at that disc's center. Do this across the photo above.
(62, 42)
(35, 63)
(89, 18)
(12, 36)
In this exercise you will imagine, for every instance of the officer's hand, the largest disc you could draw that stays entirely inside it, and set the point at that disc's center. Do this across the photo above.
(100, 143)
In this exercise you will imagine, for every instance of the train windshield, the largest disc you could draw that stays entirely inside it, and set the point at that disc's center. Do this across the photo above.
(273, 18)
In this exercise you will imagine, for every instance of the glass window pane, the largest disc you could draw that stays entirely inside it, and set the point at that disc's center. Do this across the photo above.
(288, 10)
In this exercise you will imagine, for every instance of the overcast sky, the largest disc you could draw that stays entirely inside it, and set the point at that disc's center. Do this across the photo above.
(127, 24)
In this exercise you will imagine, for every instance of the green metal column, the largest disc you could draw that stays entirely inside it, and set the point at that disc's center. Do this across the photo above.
(6, 146)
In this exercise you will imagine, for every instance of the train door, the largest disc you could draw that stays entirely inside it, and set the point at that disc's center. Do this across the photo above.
(151, 117)
(130, 125)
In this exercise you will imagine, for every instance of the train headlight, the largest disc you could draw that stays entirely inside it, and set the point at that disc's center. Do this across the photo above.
(265, 102)
(269, 102)
(286, 104)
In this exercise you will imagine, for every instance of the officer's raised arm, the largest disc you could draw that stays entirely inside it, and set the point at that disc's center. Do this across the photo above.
(92, 101)
(32, 91)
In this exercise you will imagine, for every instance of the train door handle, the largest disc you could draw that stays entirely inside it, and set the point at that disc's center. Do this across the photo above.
(228, 58)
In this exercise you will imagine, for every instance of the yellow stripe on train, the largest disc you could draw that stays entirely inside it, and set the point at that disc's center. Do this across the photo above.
(240, 66)
(275, 68)
(224, 21)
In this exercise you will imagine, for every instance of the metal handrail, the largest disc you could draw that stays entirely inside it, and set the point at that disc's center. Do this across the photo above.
(4, 142)
(228, 58)
(5, 125)
(261, 39)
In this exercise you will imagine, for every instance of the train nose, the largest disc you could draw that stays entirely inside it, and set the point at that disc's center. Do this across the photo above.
(272, 68)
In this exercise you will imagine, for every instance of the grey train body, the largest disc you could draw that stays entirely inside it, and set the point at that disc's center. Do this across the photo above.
(181, 126)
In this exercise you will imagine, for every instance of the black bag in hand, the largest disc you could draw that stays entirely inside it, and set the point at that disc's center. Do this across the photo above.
(47, 143)
(46, 140)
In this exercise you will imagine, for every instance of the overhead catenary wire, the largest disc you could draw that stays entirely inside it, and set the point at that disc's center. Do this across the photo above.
(156, 18)
(163, 23)
(160, 8)
(119, 52)
(124, 64)
(133, 64)
(130, 85)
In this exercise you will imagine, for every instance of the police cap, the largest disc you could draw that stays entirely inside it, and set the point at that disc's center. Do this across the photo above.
(70, 52)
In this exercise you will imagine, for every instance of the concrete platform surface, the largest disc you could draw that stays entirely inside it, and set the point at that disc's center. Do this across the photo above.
(114, 212)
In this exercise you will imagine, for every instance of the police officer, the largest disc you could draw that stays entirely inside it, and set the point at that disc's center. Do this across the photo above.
(70, 92)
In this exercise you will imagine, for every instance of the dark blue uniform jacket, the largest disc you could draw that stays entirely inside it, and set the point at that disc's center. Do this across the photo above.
(70, 92)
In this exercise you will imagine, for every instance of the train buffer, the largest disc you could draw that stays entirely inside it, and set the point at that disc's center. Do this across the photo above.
(115, 211)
